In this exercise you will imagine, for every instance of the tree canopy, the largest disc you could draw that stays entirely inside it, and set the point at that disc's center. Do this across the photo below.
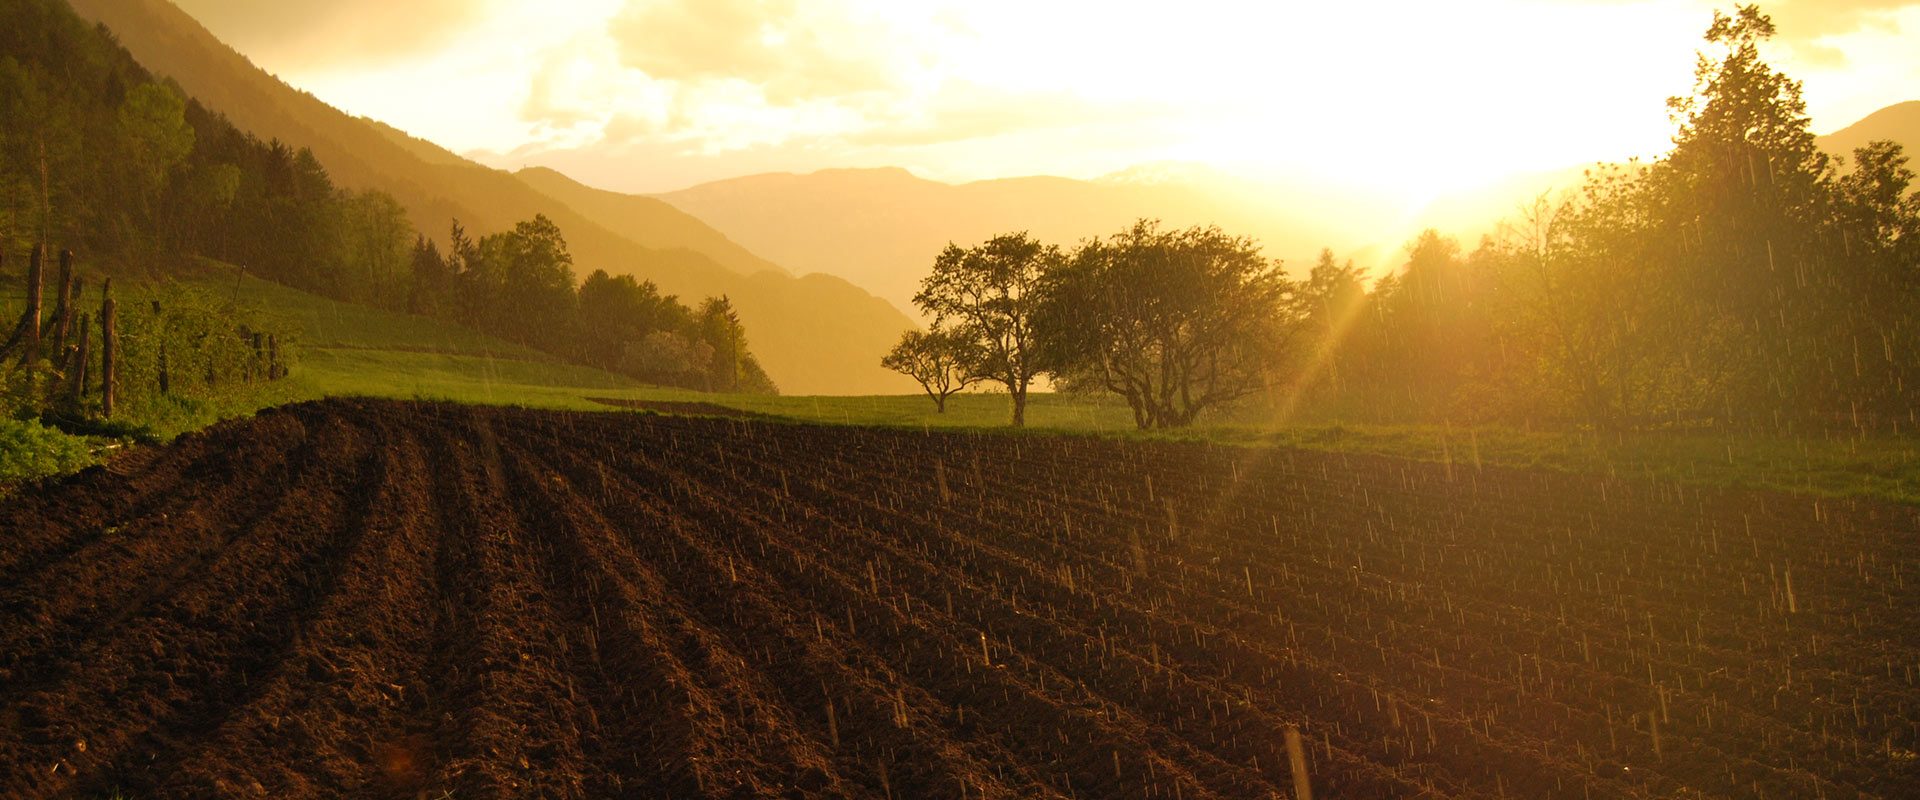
(1175, 322)
(942, 362)
(986, 294)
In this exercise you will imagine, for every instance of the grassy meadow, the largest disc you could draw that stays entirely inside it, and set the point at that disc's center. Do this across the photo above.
(345, 349)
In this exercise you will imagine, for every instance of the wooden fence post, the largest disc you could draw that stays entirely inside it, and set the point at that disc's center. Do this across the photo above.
(107, 349)
(80, 359)
(63, 302)
(259, 342)
(73, 310)
(26, 335)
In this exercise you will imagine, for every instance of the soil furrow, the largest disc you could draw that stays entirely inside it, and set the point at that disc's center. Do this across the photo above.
(406, 600)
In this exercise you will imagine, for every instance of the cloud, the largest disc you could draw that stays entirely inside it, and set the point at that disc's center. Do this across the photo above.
(1805, 20)
(716, 76)
(969, 87)
(793, 51)
(1807, 26)
(582, 91)
(964, 111)
(296, 34)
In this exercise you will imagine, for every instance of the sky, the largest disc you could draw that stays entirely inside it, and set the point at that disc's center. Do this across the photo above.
(1413, 98)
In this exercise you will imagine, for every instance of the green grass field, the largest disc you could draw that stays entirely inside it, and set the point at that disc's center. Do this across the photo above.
(354, 350)
(1883, 467)
(330, 324)
(345, 349)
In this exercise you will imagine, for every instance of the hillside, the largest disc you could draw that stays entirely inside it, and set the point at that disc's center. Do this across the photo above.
(348, 349)
(881, 228)
(819, 335)
(1899, 122)
(660, 223)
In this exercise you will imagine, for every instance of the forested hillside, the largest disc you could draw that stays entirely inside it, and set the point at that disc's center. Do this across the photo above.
(102, 157)
(812, 335)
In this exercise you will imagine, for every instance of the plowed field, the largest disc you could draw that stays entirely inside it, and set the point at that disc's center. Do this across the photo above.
(414, 600)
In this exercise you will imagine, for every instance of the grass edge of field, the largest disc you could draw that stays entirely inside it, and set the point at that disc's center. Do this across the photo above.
(1877, 468)
(358, 351)
(1884, 469)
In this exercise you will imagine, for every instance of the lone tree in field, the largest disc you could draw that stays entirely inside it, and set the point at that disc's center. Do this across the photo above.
(942, 362)
(1176, 322)
(987, 293)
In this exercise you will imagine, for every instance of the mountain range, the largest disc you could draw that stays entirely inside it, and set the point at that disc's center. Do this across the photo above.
(882, 228)
(1899, 122)
(815, 334)
(822, 266)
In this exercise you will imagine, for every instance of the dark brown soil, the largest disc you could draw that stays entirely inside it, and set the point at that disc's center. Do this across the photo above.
(364, 598)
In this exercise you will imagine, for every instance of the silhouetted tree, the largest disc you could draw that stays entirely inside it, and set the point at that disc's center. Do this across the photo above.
(1175, 322)
(986, 294)
(617, 313)
(520, 283)
(721, 330)
(1328, 303)
(1738, 212)
(432, 287)
(941, 361)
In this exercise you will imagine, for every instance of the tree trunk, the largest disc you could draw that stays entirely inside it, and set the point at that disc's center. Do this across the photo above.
(1141, 419)
(259, 341)
(1019, 394)
(30, 321)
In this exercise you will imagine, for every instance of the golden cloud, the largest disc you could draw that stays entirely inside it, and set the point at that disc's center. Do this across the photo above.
(297, 34)
(792, 51)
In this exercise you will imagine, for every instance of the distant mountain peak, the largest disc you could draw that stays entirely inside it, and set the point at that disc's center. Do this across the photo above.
(1903, 112)
(1899, 122)
(873, 172)
(1161, 173)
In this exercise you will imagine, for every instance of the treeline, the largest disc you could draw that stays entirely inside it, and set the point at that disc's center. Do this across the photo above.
(519, 285)
(99, 156)
(1745, 278)
(1174, 322)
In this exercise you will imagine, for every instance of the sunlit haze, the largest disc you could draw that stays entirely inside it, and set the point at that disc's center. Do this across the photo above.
(882, 399)
(1407, 99)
